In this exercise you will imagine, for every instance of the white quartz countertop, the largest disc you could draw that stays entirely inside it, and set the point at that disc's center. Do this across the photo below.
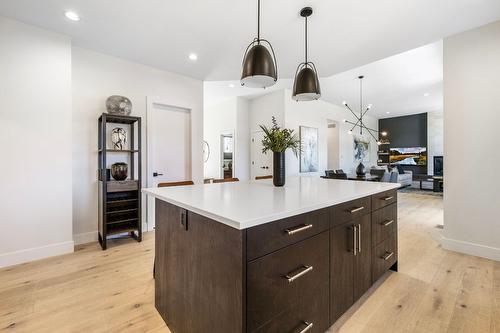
(247, 204)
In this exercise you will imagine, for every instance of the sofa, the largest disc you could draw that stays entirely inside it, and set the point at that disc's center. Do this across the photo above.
(405, 178)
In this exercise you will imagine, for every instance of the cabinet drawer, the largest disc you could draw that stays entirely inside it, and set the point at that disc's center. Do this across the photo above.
(279, 281)
(384, 223)
(350, 210)
(269, 237)
(383, 199)
(384, 256)
(310, 313)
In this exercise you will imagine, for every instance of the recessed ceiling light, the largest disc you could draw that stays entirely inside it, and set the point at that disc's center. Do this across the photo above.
(388, 112)
(426, 95)
(72, 16)
(231, 85)
(193, 56)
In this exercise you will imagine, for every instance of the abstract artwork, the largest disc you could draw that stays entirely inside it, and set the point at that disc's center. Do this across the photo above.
(309, 149)
(361, 149)
(118, 138)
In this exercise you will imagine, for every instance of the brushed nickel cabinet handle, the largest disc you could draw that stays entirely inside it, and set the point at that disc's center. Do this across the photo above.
(292, 276)
(355, 210)
(359, 238)
(387, 222)
(354, 241)
(387, 198)
(299, 228)
(387, 255)
(307, 328)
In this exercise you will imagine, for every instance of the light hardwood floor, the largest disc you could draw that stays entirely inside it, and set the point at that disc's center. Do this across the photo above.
(112, 291)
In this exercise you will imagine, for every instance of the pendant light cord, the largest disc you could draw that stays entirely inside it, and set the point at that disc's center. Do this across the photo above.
(306, 40)
(361, 104)
(258, 21)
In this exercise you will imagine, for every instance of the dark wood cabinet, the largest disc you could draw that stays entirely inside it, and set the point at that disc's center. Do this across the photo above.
(350, 262)
(281, 281)
(297, 274)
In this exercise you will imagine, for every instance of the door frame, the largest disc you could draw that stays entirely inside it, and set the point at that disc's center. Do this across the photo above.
(221, 157)
(150, 104)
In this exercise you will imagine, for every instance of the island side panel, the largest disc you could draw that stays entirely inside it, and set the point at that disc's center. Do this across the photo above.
(200, 272)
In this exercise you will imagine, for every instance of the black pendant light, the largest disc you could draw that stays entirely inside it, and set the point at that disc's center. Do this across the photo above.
(259, 63)
(306, 84)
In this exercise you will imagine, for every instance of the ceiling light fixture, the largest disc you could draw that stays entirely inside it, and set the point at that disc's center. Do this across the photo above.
(306, 84)
(426, 95)
(260, 69)
(72, 16)
(231, 85)
(359, 120)
(193, 56)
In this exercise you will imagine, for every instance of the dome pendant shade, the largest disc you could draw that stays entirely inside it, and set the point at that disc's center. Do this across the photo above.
(259, 69)
(306, 85)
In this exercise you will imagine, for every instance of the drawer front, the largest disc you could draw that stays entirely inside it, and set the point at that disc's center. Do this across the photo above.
(269, 237)
(383, 199)
(350, 210)
(309, 315)
(384, 256)
(279, 281)
(384, 223)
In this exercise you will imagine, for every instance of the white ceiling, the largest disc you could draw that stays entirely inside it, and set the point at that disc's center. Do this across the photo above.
(343, 34)
(397, 84)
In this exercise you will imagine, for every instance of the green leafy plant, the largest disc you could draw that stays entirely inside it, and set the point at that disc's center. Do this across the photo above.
(278, 140)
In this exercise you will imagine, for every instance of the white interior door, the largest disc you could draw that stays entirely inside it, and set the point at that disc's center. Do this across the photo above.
(261, 164)
(169, 149)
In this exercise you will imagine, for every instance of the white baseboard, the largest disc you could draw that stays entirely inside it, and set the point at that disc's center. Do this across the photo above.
(84, 238)
(473, 249)
(36, 253)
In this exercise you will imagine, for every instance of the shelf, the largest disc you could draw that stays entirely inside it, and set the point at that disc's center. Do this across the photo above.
(123, 221)
(121, 230)
(128, 210)
(121, 201)
(118, 119)
(120, 150)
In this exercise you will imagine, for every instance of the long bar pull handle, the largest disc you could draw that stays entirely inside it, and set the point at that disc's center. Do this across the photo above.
(292, 276)
(354, 241)
(387, 255)
(294, 230)
(359, 238)
(387, 198)
(355, 210)
(307, 328)
(387, 223)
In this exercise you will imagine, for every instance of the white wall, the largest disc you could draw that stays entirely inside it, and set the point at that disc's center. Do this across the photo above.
(35, 114)
(264, 107)
(97, 76)
(317, 114)
(292, 114)
(435, 138)
(242, 141)
(471, 120)
(219, 118)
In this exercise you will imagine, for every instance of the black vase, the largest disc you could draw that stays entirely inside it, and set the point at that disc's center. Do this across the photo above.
(360, 170)
(278, 169)
(119, 171)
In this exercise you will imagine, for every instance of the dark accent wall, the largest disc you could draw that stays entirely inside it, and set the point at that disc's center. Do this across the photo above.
(406, 132)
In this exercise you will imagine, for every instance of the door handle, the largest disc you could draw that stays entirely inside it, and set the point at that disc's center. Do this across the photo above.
(294, 230)
(354, 241)
(292, 276)
(359, 238)
(355, 210)
(156, 174)
(307, 328)
(387, 223)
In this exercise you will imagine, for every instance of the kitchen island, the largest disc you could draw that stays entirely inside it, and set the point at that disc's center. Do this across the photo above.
(251, 257)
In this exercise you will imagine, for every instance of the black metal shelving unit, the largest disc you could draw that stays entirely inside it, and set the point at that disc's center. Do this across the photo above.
(120, 201)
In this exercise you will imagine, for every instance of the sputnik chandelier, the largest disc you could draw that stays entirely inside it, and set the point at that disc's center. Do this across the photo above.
(362, 112)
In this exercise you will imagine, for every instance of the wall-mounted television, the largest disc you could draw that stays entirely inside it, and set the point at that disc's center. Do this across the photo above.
(408, 156)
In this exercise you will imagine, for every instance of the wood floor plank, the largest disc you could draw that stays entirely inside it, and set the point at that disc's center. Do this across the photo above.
(113, 291)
